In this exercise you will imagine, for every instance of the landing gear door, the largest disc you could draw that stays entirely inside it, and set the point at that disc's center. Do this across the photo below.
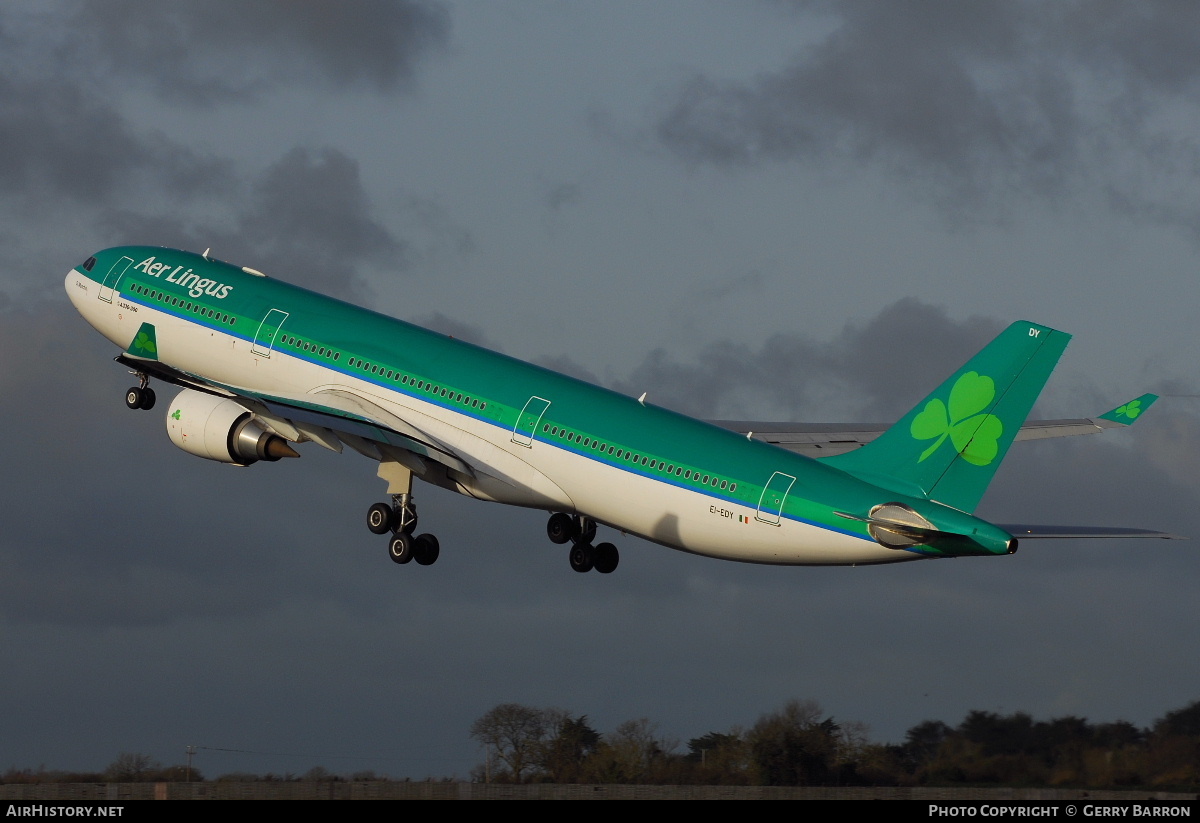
(113, 277)
(528, 420)
(264, 338)
(770, 505)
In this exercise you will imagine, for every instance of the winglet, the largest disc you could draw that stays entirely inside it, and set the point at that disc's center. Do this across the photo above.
(144, 345)
(1127, 413)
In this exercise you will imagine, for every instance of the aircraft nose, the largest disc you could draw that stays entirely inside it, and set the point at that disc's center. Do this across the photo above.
(74, 288)
(82, 292)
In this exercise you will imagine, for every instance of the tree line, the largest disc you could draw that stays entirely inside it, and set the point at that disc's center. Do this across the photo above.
(800, 745)
(127, 767)
(796, 745)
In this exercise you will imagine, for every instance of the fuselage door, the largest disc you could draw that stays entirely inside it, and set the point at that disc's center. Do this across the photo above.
(528, 420)
(770, 505)
(264, 338)
(113, 277)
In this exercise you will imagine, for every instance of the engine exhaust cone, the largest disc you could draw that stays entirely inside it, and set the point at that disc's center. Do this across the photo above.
(277, 447)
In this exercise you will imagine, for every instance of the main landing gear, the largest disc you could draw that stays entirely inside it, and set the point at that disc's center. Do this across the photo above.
(580, 531)
(424, 548)
(140, 396)
(399, 519)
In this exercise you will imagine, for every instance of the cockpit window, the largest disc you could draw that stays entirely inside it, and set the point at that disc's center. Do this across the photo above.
(87, 264)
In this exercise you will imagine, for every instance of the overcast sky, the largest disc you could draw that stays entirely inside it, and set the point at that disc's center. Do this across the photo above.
(772, 210)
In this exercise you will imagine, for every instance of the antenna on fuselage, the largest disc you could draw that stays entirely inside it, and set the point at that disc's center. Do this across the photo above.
(642, 399)
(206, 251)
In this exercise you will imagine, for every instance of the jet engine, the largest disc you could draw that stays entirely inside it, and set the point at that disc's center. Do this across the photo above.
(217, 428)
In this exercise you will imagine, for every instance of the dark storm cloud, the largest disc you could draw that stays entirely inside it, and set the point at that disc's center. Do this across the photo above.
(57, 140)
(66, 144)
(1145, 47)
(64, 138)
(882, 367)
(312, 206)
(307, 219)
(972, 101)
(205, 53)
(900, 81)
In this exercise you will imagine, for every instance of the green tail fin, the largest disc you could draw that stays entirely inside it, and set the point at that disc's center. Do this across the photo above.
(949, 446)
(1126, 413)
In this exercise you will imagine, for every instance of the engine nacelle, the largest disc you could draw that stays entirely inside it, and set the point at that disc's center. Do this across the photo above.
(217, 428)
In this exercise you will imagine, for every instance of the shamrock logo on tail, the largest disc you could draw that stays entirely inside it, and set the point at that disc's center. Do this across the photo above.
(975, 435)
(1131, 409)
(143, 342)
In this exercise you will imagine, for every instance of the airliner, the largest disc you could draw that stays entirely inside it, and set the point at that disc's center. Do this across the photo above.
(264, 366)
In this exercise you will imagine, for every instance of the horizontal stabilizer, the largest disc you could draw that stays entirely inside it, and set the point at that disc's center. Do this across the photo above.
(1027, 532)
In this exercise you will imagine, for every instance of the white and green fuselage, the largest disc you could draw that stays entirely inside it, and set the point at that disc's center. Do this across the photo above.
(504, 430)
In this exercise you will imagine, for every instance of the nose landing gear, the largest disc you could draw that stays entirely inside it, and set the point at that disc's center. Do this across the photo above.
(140, 396)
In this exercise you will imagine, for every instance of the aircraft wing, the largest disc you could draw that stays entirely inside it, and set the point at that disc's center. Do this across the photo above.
(827, 439)
(334, 416)
(330, 417)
